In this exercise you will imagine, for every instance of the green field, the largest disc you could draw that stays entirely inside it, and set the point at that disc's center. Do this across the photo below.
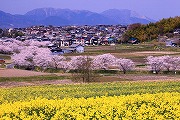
(127, 48)
(7, 57)
(32, 78)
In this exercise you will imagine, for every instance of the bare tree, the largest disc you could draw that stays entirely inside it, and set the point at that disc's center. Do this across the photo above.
(83, 69)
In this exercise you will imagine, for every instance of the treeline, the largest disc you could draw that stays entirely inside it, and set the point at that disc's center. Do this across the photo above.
(10, 34)
(151, 31)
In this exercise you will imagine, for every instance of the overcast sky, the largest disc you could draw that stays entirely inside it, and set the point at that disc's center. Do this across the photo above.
(155, 9)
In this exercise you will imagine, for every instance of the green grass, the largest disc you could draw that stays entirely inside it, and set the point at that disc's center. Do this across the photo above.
(86, 90)
(124, 48)
(32, 78)
(7, 57)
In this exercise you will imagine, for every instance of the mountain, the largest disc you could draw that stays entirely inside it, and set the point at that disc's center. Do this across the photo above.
(7, 20)
(58, 17)
(73, 17)
(126, 16)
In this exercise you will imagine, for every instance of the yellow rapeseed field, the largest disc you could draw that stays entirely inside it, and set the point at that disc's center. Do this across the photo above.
(161, 106)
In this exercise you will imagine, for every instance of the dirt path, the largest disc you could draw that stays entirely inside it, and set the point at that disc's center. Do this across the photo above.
(146, 53)
(156, 52)
(34, 83)
(19, 73)
(26, 73)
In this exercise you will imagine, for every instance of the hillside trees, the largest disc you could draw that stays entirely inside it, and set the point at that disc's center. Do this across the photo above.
(10, 34)
(1, 32)
(152, 30)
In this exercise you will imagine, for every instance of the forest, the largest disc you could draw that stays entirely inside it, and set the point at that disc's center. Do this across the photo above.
(152, 31)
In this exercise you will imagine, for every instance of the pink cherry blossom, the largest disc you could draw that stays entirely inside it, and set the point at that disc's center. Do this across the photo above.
(103, 61)
(125, 64)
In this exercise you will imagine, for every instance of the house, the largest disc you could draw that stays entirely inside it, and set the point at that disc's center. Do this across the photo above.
(173, 42)
(74, 48)
(168, 43)
(10, 66)
(78, 48)
(52, 46)
(177, 31)
(56, 50)
(111, 40)
(133, 40)
(57, 53)
(68, 50)
(2, 61)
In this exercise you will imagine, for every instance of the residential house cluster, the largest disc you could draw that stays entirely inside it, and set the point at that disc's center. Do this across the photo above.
(68, 35)
(73, 37)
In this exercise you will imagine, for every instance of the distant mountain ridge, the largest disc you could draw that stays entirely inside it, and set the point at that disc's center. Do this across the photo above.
(58, 17)
(125, 16)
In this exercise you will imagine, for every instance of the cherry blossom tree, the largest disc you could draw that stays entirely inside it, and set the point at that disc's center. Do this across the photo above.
(30, 57)
(175, 64)
(103, 61)
(24, 58)
(155, 64)
(125, 65)
(57, 61)
(39, 44)
(167, 62)
(13, 46)
(5, 49)
(27, 43)
(77, 62)
(16, 47)
(64, 65)
(43, 59)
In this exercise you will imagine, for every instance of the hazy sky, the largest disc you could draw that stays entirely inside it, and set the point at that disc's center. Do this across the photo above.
(155, 9)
